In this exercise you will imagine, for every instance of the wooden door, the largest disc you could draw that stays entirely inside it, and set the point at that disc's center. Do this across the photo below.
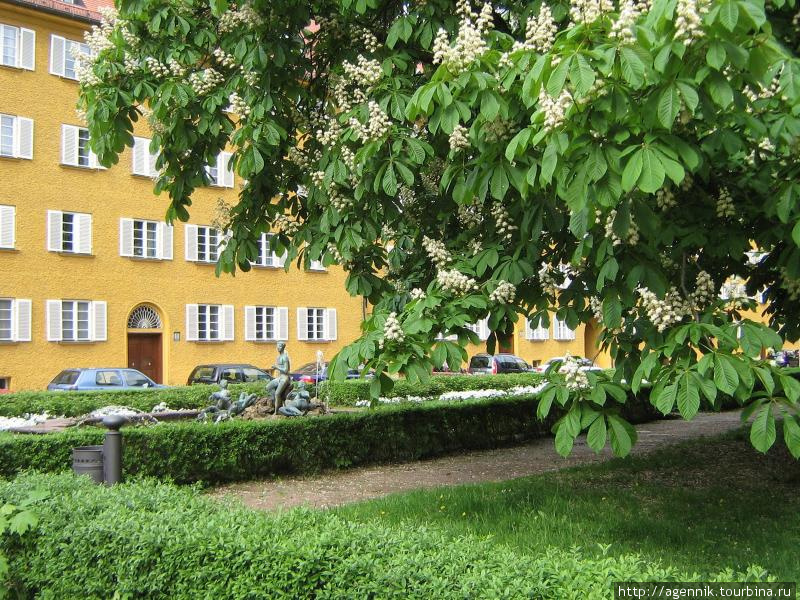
(144, 354)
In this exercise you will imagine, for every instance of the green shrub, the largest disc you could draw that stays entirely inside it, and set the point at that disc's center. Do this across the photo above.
(150, 540)
(73, 404)
(348, 393)
(242, 450)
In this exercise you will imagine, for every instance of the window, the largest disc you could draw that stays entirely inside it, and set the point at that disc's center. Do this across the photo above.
(203, 244)
(536, 334)
(76, 321)
(110, 378)
(136, 379)
(316, 324)
(139, 238)
(15, 320)
(16, 137)
(266, 256)
(17, 47)
(65, 56)
(252, 375)
(561, 331)
(266, 323)
(75, 149)
(5, 384)
(316, 265)
(7, 226)
(209, 322)
(220, 173)
(144, 161)
(69, 232)
(481, 328)
(733, 288)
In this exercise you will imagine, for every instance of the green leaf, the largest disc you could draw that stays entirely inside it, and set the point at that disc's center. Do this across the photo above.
(688, 397)
(665, 401)
(564, 440)
(612, 312)
(596, 436)
(558, 77)
(716, 55)
(581, 74)
(622, 435)
(489, 105)
(652, 177)
(762, 433)
(791, 387)
(632, 67)
(796, 233)
(729, 14)
(390, 182)
(499, 185)
(549, 161)
(632, 171)
(689, 95)
(545, 402)
(725, 377)
(791, 435)
(668, 106)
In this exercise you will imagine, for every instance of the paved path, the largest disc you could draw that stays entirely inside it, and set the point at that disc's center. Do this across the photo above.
(538, 456)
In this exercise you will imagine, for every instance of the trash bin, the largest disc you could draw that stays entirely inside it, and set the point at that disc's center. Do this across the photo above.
(88, 460)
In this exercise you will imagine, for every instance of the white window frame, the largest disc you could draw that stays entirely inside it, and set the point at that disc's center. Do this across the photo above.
(317, 266)
(71, 148)
(267, 257)
(536, 334)
(220, 173)
(197, 253)
(96, 321)
(255, 314)
(8, 226)
(80, 231)
(204, 314)
(324, 327)
(61, 54)
(24, 47)
(163, 239)
(21, 137)
(19, 320)
(481, 328)
(143, 160)
(561, 331)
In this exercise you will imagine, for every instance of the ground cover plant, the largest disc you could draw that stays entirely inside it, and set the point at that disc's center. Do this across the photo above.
(698, 506)
(152, 540)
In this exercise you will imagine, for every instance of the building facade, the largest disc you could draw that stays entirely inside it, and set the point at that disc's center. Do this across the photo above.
(91, 274)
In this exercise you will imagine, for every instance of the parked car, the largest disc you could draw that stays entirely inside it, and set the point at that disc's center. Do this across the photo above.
(492, 364)
(233, 373)
(308, 373)
(106, 378)
(585, 364)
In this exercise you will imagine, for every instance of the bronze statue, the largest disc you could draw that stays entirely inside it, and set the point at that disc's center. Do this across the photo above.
(278, 389)
(298, 402)
(223, 409)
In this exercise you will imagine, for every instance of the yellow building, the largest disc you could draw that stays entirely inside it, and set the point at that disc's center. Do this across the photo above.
(91, 275)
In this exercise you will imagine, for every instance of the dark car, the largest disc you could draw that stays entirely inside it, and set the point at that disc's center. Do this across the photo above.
(311, 373)
(492, 364)
(233, 373)
(105, 378)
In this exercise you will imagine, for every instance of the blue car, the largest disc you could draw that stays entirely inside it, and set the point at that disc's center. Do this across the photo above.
(101, 379)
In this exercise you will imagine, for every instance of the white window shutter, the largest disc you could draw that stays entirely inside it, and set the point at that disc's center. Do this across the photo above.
(280, 261)
(282, 323)
(23, 138)
(22, 321)
(302, 324)
(140, 156)
(53, 318)
(69, 145)
(99, 319)
(57, 54)
(227, 322)
(528, 330)
(191, 242)
(83, 225)
(330, 324)
(224, 170)
(250, 323)
(7, 226)
(54, 218)
(483, 329)
(191, 323)
(126, 237)
(165, 241)
(27, 49)
(151, 162)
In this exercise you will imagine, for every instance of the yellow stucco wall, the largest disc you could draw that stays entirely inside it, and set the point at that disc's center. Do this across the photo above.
(30, 271)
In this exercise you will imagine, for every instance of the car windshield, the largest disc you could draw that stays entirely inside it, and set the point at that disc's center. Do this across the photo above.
(203, 373)
(136, 379)
(479, 362)
(66, 378)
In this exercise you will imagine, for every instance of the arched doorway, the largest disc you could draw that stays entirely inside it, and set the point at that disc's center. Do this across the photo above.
(144, 342)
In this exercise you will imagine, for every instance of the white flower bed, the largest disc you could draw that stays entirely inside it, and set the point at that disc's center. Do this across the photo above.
(520, 390)
(27, 420)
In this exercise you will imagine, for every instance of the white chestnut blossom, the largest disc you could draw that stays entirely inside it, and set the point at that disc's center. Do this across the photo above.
(575, 378)
(98, 38)
(540, 33)
(546, 277)
(455, 282)
(205, 81)
(725, 207)
(238, 17)
(392, 330)
(238, 105)
(469, 215)
(504, 293)
(458, 139)
(334, 252)
(596, 306)
(704, 291)
(689, 20)
(469, 45)
(286, 225)
(632, 235)
(667, 312)
(587, 12)
(224, 58)
(437, 252)
(554, 109)
(665, 199)
(377, 125)
(503, 221)
(365, 72)
(623, 27)
(417, 294)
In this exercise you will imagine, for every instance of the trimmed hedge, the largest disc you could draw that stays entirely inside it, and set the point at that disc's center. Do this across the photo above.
(149, 540)
(74, 404)
(347, 393)
(241, 450)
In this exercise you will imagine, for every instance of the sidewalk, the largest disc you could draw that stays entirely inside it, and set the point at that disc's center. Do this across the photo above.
(538, 456)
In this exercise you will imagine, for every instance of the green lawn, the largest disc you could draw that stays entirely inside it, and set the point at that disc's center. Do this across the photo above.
(700, 506)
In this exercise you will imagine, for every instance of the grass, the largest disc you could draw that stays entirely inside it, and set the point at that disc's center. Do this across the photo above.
(700, 506)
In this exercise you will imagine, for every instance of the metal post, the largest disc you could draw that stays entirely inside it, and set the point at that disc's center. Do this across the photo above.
(112, 449)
